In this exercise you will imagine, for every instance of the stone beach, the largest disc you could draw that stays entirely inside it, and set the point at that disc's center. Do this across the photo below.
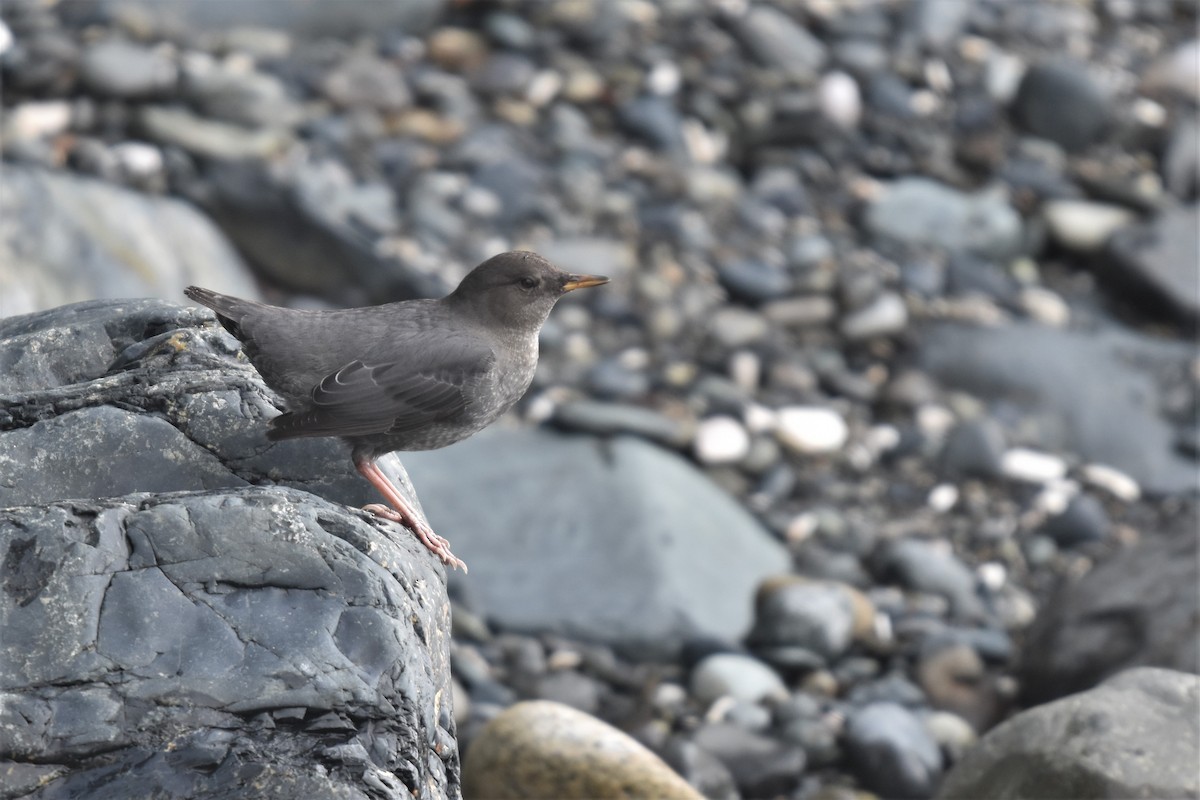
(875, 465)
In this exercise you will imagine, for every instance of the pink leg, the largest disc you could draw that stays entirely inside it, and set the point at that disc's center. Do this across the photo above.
(401, 512)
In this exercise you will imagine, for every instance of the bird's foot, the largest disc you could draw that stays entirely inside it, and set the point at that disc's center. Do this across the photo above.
(437, 545)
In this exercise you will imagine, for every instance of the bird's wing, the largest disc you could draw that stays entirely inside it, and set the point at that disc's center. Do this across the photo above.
(389, 395)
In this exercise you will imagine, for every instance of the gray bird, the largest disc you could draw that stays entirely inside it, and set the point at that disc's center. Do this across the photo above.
(413, 375)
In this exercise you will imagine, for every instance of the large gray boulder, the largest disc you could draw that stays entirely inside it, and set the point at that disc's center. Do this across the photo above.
(179, 623)
(1137, 609)
(1100, 394)
(64, 238)
(249, 643)
(1137, 735)
(611, 540)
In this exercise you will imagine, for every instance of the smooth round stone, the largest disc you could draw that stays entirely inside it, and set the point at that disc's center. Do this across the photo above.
(510, 30)
(840, 99)
(1083, 520)
(801, 312)
(721, 440)
(952, 733)
(762, 766)
(611, 379)
(754, 281)
(974, 448)
(737, 327)
(608, 419)
(734, 675)
(926, 567)
(1031, 466)
(38, 120)
(546, 749)
(893, 751)
(953, 678)
(820, 616)
(124, 69)
(1084, 226)
(818, 737)
(886, 315)
(811, 430)
(1060, 102)
(776, 40)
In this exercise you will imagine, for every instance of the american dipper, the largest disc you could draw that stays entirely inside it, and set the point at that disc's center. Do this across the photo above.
(413, 375)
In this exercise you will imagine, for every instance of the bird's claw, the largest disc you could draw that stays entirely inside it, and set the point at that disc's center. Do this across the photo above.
(438, 545)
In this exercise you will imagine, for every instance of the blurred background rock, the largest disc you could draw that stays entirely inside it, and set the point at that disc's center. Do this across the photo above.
(914, 282)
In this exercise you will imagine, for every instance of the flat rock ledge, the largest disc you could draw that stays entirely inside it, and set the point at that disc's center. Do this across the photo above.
(180, 617)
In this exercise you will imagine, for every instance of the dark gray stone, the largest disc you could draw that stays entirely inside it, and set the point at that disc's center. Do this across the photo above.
(199, 643)
(920, 565)
(1136, 609)
(612, 419)
(1136, 735)
(754, 281)
(245, 97)
(974, 449)
(1083, 520)
(152, 642)
(51, 227)
(1096, 393)
(310, 18)
(815, 615)
(551, 552)
(1061, 102)
(761, 766)
(1154, 266)
(776, 40)
(893, 753)
(298, 230)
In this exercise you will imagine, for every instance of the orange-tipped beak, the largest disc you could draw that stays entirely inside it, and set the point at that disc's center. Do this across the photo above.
(583, 281)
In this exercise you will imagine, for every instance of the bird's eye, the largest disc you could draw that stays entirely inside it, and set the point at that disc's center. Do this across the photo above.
(528, 283)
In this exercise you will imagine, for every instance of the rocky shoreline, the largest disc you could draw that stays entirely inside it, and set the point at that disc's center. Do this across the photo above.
(901, 323)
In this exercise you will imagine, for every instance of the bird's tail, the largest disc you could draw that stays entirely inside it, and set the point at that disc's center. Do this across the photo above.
(231, 311)
(232, 307)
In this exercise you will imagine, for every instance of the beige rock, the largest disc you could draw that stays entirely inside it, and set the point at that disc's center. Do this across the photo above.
(541, 749)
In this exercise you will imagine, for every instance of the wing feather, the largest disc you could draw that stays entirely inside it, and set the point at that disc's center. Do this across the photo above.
(390, 396)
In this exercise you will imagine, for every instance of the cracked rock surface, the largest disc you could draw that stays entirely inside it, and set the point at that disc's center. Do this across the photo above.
(180, 619)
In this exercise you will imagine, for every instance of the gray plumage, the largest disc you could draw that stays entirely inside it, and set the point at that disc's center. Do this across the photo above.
(412, 375)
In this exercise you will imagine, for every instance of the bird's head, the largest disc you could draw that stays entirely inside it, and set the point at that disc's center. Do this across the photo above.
(516, 290)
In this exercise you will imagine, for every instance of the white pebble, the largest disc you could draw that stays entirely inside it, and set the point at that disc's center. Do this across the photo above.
(139, 159)
(840, 100)
(1113, 481)
(39, 120)
(759, 419)
(935, 421)
(882, 439)
(544, 87)
(943, 497)
(993, 575)
(1045, 306)
(808, 429)
(664, 78)
(887, 314)
(6, 38)
(1055, 496)
(721, 440)
(1032, 466)
(1083, 225)
(1003, 75)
